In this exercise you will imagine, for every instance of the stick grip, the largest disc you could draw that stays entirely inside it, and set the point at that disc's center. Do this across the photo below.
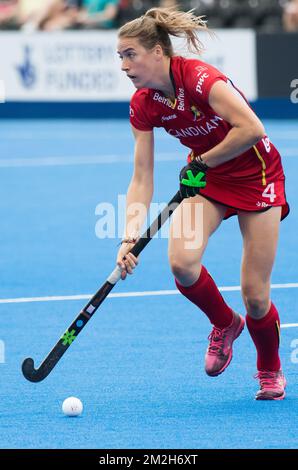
(115, 275)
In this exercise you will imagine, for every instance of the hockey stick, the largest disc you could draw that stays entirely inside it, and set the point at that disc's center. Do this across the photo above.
(36, 375)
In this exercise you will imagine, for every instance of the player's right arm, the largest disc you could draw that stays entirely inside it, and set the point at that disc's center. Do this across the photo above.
(138, 197)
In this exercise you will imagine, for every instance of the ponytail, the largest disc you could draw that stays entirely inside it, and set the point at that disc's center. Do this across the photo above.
(158, 24)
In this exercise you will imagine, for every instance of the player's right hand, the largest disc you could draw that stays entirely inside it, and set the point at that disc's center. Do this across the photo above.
(127, 261)
(192, 178)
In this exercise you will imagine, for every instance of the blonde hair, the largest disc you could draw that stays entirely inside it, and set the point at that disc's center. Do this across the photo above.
(155, 26)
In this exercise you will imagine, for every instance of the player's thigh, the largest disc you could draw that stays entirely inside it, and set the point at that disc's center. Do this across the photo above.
(192, 224)
(260, 232)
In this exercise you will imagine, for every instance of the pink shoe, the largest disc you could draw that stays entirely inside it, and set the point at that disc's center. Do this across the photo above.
(219, 353)
(272, 385)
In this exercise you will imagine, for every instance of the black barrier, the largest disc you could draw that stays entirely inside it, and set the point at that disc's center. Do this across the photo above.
(277, 65)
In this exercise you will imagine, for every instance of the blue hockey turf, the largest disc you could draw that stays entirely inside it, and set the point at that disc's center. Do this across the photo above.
(138, 366)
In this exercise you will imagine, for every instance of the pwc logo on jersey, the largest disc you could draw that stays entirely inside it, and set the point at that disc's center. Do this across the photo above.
(202, 75)
(202, 78)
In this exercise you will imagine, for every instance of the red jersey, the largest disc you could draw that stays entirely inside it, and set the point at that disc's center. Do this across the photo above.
(245, 182)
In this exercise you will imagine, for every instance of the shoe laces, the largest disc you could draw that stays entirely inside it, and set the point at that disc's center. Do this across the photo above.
(267, 378)
(216, 339)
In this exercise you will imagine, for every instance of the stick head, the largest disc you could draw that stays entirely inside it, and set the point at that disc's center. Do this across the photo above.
(28, 370)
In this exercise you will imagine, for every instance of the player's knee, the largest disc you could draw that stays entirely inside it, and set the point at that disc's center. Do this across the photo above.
(178, 267)
(256, 302)
(181, 268)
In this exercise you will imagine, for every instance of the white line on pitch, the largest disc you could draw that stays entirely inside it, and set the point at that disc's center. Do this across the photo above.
(100, 159)
(81, 160)
(128, 294)
(289, 325)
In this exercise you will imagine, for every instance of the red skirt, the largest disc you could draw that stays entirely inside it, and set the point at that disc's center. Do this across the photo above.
(252, 182)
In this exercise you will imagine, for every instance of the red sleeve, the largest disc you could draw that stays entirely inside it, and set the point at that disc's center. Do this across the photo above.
(200, 77)
(138, 111)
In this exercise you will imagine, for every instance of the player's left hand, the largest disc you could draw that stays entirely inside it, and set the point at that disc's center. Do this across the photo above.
(192, 178)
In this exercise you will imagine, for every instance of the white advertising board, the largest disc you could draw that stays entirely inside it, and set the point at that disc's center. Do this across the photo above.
(84, 66)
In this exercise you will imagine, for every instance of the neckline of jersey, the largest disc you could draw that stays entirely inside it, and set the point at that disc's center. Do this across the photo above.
(172, 103)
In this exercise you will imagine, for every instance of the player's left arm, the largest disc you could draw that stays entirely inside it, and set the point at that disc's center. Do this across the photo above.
(246, 129)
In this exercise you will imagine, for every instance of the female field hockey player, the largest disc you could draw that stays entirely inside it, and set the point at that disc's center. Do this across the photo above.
(232, 169)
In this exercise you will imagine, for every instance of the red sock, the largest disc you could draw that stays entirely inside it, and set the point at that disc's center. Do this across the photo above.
(265, 335)
(205, 294)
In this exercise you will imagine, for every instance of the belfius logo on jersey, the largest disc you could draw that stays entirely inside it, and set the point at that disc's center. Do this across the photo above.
(180, 99)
